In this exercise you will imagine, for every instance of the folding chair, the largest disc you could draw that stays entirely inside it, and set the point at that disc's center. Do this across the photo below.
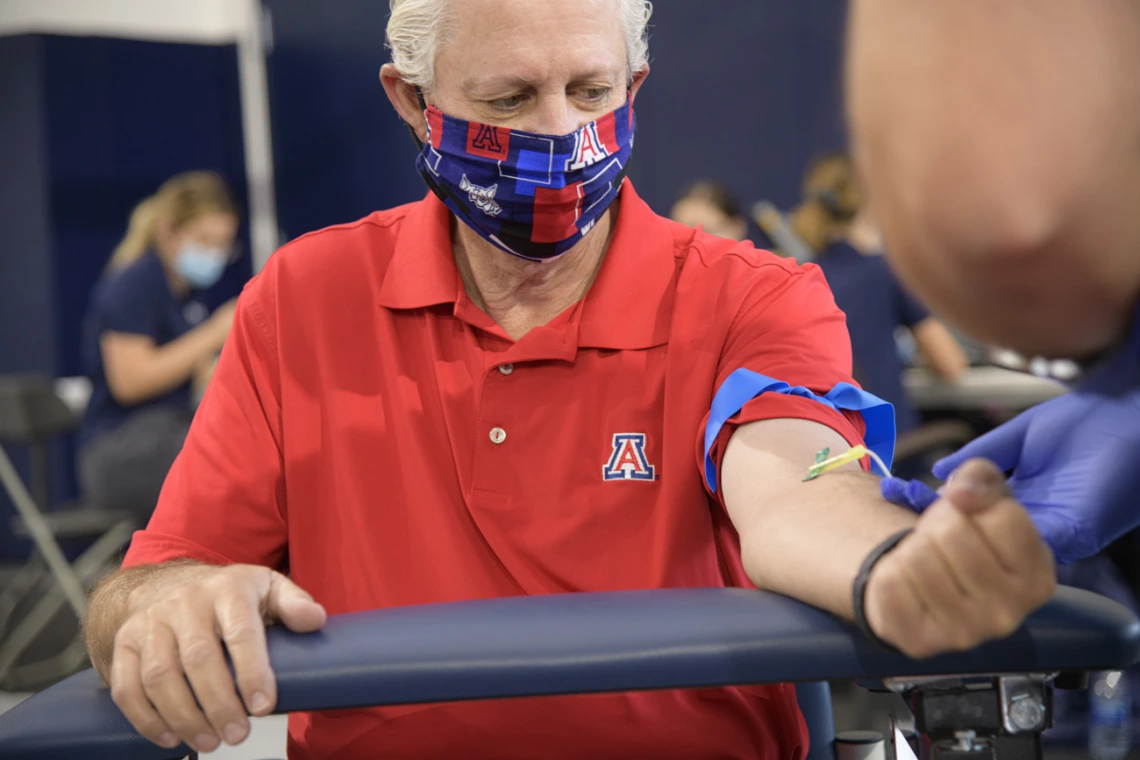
(31, 414)
(996, 706)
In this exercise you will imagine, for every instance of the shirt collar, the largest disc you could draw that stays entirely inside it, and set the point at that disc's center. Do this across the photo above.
(629, 306)
(422, 271)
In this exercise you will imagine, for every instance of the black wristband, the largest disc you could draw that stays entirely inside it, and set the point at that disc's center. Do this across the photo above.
(859, 588)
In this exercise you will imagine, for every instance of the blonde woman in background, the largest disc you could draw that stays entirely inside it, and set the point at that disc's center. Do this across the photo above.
(141, 348)
(833, 222)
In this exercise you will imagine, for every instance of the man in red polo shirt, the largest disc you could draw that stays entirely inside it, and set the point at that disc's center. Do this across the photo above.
(528, 383)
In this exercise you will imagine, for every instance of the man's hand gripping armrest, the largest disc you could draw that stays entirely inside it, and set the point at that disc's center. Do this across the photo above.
(156, 634)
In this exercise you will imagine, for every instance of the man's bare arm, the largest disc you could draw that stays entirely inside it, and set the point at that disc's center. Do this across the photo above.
(805, 540)
(971, 570)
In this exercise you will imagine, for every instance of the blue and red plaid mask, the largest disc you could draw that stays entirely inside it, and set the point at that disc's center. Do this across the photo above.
(533, 196)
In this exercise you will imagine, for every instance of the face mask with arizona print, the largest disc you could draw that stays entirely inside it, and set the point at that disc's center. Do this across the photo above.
(533, 196)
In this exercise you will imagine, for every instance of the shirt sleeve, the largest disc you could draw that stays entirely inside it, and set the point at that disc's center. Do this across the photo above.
(130, 307)
(224, 499)
(793, 334)
(910, 309)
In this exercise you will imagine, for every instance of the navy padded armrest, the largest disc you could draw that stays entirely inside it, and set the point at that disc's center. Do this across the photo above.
(576, 643)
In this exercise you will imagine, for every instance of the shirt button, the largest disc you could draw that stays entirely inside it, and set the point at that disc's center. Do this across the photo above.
(498, 435)
(506, 369)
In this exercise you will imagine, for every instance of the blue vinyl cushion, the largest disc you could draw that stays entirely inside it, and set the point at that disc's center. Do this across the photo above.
(575, 643)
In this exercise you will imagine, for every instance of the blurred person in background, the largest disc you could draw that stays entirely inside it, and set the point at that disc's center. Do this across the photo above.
(147, 347)
(711, 206)
(834, 222)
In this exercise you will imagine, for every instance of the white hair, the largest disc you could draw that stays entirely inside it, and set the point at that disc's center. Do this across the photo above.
(417, 28)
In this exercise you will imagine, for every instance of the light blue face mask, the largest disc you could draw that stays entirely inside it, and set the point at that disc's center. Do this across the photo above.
(201, 266)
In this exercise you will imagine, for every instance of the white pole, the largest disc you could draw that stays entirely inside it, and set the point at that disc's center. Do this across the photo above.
(256, 134)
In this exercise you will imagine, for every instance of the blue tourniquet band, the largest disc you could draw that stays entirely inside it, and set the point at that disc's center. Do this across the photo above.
(743, 385)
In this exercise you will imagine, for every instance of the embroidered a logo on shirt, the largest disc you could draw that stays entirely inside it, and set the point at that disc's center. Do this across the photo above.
(482, 197)
(628, 460)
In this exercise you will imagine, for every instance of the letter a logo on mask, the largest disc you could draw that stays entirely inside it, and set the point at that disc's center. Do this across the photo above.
(488, 139)
(588, 149)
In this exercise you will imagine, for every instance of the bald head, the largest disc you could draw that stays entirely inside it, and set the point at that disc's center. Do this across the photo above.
(999, 144)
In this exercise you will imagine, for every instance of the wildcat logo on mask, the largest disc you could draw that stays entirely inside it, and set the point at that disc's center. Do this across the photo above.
(482, 197)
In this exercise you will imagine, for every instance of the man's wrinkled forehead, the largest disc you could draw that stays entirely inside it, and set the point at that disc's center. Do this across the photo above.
(479, 83)
(497, 44)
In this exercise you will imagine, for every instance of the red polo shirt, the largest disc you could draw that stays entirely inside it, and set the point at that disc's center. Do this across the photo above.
(375, 434)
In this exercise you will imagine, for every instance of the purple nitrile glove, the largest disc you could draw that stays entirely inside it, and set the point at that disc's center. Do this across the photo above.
(908, 493)
(1074, 461)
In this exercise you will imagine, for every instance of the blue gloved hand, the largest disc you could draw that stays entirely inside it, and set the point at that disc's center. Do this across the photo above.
(1074, 462)
(908, 493)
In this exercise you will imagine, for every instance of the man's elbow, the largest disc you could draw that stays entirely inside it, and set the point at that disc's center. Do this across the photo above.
(753, 553)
